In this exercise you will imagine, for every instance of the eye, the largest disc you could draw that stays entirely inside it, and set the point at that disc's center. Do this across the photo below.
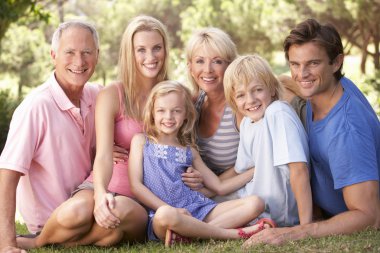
(199, 61)
(141, 50)
(157, 48)
(218, 61)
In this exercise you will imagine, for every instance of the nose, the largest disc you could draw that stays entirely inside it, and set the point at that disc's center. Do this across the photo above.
(78, 59)
(250, 97)
(168, 114)
(304, 71)
(208, 68)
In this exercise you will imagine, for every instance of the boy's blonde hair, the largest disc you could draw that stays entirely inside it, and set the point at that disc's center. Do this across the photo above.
(245, 69)
(186, 134)
(213, 39)
(127, 64)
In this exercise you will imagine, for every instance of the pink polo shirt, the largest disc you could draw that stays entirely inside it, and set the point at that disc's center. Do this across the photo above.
(52, 143)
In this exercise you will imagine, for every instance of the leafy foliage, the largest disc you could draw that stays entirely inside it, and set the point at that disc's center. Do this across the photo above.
(7, 105)
(12, 10)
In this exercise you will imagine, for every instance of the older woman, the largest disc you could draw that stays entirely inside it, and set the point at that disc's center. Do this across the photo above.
(209, 52)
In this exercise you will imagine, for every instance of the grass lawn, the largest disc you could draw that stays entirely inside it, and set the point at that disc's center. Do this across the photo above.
(366, 241)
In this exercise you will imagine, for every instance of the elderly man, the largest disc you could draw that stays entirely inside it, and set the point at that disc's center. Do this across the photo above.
(344, 138)
(51, 141)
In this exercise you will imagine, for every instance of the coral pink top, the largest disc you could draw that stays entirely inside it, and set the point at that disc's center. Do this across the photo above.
(125, 129)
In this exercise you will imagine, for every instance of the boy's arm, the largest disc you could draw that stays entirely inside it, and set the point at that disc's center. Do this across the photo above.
(300, 183)
(135, 172)
(214, 183)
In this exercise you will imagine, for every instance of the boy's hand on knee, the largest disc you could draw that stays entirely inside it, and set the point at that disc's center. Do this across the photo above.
(103, 214)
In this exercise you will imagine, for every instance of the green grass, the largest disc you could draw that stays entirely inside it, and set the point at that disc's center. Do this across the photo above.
(365, 241)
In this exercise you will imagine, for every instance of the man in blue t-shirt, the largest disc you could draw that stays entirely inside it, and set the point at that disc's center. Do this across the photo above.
(344, 138)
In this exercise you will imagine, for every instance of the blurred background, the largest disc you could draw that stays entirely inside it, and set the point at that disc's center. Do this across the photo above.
(256, 26)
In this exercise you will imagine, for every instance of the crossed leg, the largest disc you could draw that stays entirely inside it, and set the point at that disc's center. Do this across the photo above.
(220, 223)
(73, 223)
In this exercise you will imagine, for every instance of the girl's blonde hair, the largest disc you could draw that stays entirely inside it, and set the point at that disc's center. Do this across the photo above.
(213, 39)
(246, 69)
(186, 134)
(127, 66)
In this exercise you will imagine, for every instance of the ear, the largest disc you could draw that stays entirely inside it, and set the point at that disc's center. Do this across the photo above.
(52, 54)
(189, 67)
(338, 61)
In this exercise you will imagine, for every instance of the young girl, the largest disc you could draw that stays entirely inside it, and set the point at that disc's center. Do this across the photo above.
(106, 194)
(272, 139)
(158, 159)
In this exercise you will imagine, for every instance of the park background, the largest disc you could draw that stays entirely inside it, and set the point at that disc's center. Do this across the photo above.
(256, 26)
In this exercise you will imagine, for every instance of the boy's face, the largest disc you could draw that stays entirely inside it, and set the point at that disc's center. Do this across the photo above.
(311, 69)
(253, 99)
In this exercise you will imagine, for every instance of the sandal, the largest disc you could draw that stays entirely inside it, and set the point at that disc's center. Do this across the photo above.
(244, 235)
(171, 238)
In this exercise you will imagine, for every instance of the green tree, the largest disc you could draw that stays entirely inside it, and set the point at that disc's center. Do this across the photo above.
(12, 10)
(25, 55)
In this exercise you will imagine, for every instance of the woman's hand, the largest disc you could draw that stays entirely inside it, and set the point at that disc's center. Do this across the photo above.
(193, 179)
(119, 154)
(103, 211)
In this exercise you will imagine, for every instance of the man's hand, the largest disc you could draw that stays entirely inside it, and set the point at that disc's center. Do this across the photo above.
(274, 236)
(120, 154)
(193, 179)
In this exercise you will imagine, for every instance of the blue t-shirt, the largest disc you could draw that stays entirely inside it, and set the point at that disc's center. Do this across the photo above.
(344, 148)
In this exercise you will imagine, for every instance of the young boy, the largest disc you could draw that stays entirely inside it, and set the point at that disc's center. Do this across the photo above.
(272, 140)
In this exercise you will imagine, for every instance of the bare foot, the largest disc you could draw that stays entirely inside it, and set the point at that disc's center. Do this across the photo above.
(26, 243)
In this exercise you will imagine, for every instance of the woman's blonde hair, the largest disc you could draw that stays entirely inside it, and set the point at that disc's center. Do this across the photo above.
(186, 134)
(243, 71)
(127, 66)
(213, 39)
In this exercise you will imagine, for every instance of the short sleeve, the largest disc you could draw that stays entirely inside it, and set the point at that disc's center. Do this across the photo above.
(22, 139)
(288, 138)
(352, 158)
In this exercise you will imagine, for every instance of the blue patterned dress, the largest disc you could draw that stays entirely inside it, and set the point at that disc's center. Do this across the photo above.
(163, 166)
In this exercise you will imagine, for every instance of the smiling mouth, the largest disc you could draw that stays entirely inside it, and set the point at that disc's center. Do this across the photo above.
(77, 71)
(208, 79)
(251, 109)
(151, 65)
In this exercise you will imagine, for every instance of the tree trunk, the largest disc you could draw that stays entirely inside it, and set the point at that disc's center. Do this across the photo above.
(61, 11)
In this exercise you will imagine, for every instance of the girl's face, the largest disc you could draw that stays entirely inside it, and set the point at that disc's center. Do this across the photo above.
(253, 99)
(149, 50)
(207, 68)
(169, 113)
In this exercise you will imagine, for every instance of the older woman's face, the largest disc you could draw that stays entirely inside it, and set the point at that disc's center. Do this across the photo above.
(207, 68)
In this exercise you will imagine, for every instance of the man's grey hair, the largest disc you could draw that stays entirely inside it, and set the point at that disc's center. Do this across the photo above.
(63, 26)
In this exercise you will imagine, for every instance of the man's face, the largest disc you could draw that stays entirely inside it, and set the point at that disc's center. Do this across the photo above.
(312, 70)
(75, 59)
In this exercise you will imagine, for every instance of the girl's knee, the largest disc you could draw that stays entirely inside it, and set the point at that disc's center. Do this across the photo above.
(257, 203)
(75, 212)
(166, 216)
(127, 209)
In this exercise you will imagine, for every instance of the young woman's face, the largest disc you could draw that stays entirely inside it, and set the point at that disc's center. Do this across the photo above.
(169, 113)
(207, 68)
(253, 99)
(149, 51)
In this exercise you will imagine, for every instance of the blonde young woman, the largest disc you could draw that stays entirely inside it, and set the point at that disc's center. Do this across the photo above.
(106, 194)
(208, 53)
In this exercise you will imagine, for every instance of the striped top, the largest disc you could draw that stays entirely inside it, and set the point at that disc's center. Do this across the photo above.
(220, 150)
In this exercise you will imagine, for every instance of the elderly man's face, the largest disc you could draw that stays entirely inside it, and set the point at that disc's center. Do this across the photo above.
(75, 59)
